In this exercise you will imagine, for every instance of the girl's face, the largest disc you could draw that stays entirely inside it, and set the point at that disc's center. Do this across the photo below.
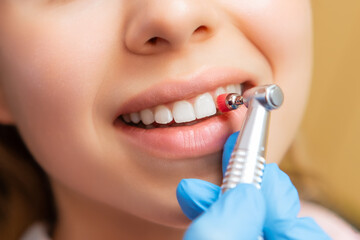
(69, 69)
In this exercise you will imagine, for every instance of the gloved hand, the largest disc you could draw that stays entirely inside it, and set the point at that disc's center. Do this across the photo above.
(245, 212)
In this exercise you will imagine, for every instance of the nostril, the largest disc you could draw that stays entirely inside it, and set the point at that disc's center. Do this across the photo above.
(153, 41)
(156, 41)
(201, 33)
(201, 29)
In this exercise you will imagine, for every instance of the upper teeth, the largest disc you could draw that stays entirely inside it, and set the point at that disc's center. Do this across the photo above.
(204, 106)
(182, 111)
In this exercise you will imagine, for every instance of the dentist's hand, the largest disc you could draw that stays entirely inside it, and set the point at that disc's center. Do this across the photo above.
(245, 212)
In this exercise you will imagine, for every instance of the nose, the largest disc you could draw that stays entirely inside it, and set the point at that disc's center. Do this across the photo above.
(156, 26)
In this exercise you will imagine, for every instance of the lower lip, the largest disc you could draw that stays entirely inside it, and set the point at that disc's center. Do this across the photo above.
(200, 139)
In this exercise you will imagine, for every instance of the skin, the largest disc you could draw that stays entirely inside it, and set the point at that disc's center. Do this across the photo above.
(67, 66)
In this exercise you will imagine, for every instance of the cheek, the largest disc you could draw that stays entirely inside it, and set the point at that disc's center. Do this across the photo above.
(282, 31)
(52, 82)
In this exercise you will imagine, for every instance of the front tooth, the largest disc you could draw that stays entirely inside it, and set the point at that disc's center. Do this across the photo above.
(219, 91)
(126, 118)
(163, 115)
(231, 88)
(204, 106)
(238, 89)
(183, 111)
(147, 117)
(135, 117)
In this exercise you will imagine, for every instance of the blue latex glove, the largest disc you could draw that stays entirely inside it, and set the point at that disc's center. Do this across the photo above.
(245, 212)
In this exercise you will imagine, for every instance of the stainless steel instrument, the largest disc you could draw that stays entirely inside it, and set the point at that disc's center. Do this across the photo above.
(247, 160)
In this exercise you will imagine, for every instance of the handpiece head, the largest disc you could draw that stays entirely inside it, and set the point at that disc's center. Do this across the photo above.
(270, 96)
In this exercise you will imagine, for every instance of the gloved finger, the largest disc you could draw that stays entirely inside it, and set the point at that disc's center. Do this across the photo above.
(282, 199)
(282, 208)
(297, 228)
(195, 196)
(238, 214)
(228, 148)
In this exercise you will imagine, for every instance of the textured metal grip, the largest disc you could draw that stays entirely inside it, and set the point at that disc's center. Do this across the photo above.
(243, 167)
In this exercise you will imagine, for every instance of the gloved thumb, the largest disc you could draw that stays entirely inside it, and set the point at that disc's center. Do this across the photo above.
(195, 196)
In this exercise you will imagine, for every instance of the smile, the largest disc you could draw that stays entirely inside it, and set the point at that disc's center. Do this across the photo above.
(180, 113)
(179, 119)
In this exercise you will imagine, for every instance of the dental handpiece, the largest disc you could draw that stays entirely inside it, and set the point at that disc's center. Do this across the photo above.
(246, 164)
(247, 160)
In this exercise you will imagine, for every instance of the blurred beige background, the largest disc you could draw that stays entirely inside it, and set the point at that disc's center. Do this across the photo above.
(327, 147)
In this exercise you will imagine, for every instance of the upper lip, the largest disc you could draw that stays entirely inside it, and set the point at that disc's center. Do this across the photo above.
(186, 87)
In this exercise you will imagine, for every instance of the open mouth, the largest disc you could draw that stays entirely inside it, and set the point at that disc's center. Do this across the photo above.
(178, 119)
(181, 113)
